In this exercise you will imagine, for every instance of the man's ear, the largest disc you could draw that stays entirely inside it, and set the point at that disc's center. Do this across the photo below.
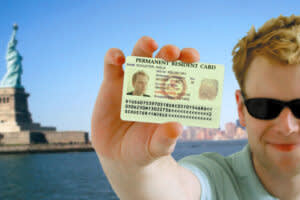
(240, 107)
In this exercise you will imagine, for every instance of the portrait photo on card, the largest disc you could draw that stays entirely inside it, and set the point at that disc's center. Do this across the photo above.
(138, 84)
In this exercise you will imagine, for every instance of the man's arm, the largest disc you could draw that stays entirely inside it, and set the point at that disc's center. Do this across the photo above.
(136, 157)
(191, 183)
(163, 179)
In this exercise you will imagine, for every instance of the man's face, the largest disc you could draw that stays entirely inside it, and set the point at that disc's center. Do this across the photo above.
(272, 80)
(140, 84)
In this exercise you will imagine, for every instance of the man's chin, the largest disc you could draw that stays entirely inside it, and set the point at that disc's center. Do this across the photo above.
(286, 161)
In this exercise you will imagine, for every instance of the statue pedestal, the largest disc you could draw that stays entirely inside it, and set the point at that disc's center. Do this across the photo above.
(14, 112)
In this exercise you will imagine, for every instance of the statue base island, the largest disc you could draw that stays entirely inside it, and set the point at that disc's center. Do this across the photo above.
(16, 124)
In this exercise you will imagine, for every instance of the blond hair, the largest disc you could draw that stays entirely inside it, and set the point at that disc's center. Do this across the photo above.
(278, 39)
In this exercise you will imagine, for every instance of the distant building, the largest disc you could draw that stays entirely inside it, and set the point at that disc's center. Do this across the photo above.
(232, 131)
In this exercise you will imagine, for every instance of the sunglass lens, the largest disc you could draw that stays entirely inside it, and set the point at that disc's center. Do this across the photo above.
(295, 105)
(263, 108)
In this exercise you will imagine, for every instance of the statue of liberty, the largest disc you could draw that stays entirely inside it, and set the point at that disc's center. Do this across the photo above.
(12, 78)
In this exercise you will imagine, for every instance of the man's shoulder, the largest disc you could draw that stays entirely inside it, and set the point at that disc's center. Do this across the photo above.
(216, 173)
(212, 161)
(207, 160)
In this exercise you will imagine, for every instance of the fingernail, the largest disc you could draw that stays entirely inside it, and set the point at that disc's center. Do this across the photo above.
(155, 45)
(118, 59)
(172, 134)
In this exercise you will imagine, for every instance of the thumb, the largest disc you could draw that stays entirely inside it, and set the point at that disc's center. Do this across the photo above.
(164, 139)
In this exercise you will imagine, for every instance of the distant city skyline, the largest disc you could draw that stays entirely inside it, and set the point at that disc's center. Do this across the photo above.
(232, 131)
(63, 43)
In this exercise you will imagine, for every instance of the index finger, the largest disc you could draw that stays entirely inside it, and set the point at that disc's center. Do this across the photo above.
(144, 47)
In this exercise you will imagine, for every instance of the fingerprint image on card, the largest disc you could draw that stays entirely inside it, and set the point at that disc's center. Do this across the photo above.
(208, 89)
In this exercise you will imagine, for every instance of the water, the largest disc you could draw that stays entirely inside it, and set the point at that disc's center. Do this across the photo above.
(76, 176)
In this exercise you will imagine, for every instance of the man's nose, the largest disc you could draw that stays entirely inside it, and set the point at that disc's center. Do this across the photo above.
(287, 122)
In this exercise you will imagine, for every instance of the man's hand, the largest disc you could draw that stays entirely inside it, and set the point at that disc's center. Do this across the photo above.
(122, 146)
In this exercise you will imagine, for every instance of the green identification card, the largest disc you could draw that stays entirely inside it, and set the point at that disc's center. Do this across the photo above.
(158, 91)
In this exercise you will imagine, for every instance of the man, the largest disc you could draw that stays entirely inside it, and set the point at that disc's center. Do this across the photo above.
(139, 82)
(136, 157)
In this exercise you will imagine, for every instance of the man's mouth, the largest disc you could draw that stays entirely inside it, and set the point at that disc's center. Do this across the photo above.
(285, 147)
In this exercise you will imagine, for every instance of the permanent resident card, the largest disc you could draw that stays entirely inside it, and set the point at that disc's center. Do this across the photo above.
(158, 91)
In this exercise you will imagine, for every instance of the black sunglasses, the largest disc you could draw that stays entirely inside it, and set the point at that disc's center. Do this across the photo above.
(267, 108)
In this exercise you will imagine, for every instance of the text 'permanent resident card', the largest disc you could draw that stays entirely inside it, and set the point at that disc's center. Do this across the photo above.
(158, 91)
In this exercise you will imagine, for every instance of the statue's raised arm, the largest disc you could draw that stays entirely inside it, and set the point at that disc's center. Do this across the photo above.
(12, 78)
(12, 43)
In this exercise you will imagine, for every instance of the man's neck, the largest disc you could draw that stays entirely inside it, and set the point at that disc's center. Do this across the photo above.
(282, 187)
(137, 94)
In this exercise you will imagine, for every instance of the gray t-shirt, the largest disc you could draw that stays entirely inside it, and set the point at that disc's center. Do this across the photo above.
(229, 178)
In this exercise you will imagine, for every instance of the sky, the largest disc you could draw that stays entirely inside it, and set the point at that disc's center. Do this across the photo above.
(63, 43)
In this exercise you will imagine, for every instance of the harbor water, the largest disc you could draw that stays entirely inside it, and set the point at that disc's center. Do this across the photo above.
(77, 175)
